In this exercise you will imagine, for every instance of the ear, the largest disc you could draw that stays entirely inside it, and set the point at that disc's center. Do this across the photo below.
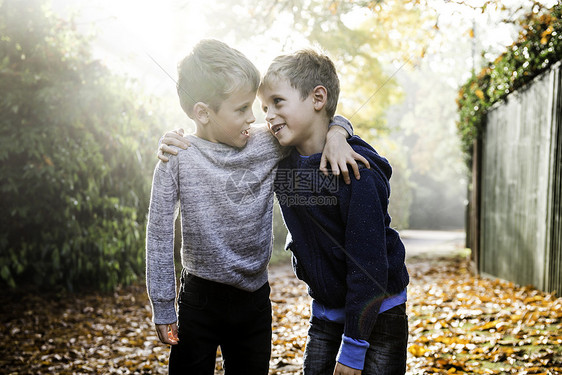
(201, 113)
(319, 97)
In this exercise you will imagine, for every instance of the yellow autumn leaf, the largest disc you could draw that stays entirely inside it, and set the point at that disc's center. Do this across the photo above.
(480, 94)
(486, 326)
(417, 350)
(499, 58)
(533, 299)
(48, 161)
(508, 351)
(547, 32)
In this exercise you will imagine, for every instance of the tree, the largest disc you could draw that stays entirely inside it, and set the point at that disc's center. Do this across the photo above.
(368, 42)
(363, 45)
(76, 158)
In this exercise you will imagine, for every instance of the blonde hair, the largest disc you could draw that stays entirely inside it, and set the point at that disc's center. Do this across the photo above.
(212, 72)
(306, 69)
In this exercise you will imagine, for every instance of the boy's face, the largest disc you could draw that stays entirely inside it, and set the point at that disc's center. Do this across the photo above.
(287, 115)
(231, 124)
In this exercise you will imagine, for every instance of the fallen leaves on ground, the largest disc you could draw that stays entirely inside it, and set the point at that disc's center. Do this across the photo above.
(465, 324)
(459, 323)
(69, 334)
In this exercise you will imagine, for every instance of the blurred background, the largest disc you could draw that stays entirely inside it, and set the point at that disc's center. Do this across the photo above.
(88, 87)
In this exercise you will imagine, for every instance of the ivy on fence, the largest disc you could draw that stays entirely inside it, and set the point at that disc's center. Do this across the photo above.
(538, 47)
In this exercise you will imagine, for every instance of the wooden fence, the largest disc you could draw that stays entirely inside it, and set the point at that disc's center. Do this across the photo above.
(516, 222)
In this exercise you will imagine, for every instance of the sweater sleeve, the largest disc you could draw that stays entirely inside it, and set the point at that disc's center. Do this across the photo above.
(366, 255)
(352, 352)
(342, 122)
(160, 270)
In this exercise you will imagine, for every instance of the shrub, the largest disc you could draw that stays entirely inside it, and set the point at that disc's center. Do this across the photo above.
(76, 158)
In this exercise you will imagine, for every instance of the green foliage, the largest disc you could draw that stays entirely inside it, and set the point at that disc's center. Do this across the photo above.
(75, 185)
(363, 48)
(538, 47)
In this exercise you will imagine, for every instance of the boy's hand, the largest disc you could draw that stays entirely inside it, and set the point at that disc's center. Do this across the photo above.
(344, 370)
(168, 333)
(172, 138)
(339, 154)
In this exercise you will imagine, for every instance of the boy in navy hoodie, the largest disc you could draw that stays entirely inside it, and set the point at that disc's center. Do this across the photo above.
(342, 243)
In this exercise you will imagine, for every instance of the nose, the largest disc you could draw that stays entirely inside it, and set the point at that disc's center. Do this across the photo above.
(251, 118)
(269, 116)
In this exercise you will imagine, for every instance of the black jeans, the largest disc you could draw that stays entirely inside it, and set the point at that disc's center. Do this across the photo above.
(386, 353)
(212, 314)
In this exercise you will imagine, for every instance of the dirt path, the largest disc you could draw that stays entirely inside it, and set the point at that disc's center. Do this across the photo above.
(458, 324)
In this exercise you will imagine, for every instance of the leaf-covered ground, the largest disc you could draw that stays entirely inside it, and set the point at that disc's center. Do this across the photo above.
(458, 324)
(465, 324)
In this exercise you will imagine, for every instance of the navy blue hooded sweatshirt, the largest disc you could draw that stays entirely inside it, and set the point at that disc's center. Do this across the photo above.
(340, 235)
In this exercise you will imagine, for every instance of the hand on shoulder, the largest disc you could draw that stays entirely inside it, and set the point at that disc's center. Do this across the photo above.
(172, 138)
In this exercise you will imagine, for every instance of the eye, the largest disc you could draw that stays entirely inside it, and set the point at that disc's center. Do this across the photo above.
(243, 109)
(277, 101)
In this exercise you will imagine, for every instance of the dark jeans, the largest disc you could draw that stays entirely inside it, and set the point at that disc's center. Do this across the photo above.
(212, 314)
(386, 353)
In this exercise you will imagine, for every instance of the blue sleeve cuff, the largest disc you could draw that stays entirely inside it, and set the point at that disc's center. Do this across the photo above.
(344, 123)
(352, 352)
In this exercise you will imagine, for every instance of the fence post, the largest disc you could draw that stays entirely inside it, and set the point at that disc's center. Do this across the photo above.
(553, 264)
(474, 214)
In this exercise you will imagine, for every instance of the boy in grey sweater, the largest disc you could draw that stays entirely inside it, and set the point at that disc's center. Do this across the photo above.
(223, 185)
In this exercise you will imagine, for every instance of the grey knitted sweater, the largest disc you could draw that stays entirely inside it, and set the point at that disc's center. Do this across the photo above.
(225, 196)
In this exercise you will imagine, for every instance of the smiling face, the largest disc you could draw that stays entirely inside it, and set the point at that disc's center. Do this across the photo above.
(288, 116)
(231, 123)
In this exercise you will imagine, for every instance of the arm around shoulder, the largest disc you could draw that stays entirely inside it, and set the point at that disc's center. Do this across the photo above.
(338, 153)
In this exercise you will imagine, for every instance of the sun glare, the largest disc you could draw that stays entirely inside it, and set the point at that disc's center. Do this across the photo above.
(146, 39)
(142, 39)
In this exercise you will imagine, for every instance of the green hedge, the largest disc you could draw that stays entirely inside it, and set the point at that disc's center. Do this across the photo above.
(538, 47)
(76, 150)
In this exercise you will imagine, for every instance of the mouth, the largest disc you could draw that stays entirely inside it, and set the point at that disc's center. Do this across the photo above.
(245, 132)
(277, 128)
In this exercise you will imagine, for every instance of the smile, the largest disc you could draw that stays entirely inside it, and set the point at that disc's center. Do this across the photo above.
(245, 132)
(277, 128)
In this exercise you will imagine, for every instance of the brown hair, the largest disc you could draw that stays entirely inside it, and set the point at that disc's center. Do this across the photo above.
(306, 69)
